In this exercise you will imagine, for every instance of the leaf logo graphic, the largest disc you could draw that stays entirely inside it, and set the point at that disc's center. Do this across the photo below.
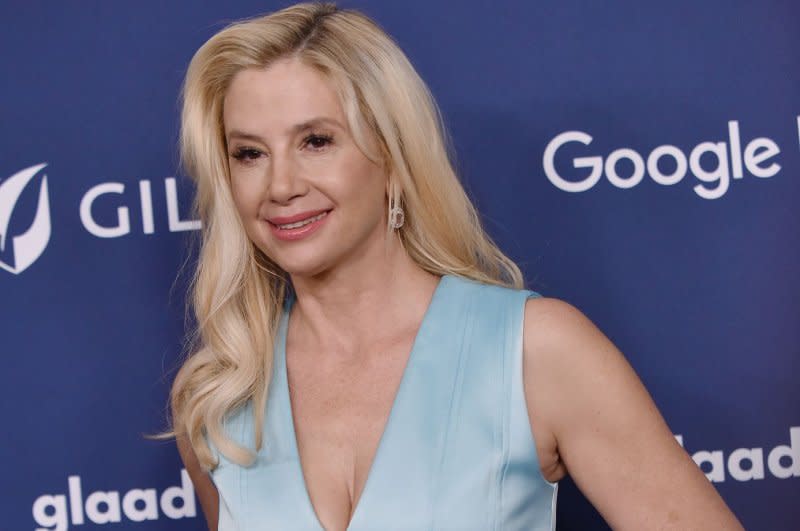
(29, 245)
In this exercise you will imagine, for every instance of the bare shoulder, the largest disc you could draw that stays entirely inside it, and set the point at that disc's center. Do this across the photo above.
(554, 319)
(592, 418)
(559, 339)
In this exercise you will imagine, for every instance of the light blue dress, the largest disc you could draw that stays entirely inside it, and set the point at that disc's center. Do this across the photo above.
(457, 452)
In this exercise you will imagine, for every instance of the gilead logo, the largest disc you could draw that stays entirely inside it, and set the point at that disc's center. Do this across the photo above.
(122, 225)
(728, 160)
(105, 507)
(24, 248)
(18, 252)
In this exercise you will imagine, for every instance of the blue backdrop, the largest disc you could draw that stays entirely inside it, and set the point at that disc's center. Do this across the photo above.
(640, 160)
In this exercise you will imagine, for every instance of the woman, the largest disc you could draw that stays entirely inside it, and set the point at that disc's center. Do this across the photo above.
(356, 322)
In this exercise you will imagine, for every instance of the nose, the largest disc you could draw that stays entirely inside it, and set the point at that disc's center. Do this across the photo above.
(286, 181)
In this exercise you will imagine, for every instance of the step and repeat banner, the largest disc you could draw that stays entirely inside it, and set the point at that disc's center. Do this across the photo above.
(640, 160)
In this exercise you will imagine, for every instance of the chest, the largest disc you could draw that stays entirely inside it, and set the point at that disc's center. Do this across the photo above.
(455, 452)
(340, 409)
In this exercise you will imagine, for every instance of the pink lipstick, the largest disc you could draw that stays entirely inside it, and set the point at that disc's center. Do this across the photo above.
(297, 226)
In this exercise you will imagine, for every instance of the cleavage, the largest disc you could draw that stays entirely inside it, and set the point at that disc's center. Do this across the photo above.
(340, 411)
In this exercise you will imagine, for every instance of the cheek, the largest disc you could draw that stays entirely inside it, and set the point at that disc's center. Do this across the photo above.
(244, 199)
(246, 204)
(366, 187)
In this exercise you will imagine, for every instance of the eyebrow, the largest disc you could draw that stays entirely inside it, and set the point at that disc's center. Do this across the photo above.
(298, 128)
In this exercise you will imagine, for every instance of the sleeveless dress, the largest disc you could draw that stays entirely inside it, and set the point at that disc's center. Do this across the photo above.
(457, 451)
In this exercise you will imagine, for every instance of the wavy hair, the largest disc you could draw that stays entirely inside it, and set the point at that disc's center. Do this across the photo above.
(237, 291)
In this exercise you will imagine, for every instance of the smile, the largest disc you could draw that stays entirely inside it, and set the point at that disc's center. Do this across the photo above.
(302, 223)
(298, 226)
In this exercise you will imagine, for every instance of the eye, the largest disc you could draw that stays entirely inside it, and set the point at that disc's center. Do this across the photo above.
(317, 142)
(246, 154)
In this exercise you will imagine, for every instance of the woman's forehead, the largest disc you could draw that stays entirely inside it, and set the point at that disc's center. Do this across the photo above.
(281, 97)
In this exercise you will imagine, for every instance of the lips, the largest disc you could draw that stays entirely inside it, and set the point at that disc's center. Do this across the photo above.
(303, 223)
(280, 221)
(297, 226)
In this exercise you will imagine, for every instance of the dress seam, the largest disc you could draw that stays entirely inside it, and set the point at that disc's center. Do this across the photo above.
(455, 396)
(506, 416)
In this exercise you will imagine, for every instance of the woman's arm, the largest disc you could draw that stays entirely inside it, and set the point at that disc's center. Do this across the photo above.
(591, 414)
(203, 486)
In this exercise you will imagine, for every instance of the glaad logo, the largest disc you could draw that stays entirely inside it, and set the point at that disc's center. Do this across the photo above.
(28, 246)
(104, 507)
(745, 464)
(714, 181)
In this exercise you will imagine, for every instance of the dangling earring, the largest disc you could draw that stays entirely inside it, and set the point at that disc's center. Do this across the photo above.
(396, 214)
(396, 217)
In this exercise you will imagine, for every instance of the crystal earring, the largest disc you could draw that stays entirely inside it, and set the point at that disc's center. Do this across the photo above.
(396, 217)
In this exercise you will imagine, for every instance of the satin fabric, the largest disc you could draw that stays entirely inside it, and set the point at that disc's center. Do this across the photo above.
(457, 451)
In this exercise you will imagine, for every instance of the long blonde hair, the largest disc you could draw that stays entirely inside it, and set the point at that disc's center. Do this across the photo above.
(237, 292)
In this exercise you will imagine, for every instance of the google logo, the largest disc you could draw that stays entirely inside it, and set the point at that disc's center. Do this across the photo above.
(729, 161)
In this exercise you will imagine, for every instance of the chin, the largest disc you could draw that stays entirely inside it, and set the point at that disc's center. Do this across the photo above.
(301, 264)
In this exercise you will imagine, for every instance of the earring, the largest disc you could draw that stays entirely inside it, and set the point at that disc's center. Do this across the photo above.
(396, 217)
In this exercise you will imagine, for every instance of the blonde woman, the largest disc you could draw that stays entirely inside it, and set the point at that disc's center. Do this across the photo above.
(366, 357)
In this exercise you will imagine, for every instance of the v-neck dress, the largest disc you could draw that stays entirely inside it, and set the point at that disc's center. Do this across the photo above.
(457, 452)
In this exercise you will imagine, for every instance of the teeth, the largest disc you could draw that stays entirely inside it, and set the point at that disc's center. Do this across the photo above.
(303, 223)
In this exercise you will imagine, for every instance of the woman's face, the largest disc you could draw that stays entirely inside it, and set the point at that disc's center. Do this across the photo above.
(307, 196)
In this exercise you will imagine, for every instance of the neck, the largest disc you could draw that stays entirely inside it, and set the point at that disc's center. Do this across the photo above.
(344, 310)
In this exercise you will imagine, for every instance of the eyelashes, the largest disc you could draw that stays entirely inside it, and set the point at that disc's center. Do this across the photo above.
(315, 142)
(245, 154)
